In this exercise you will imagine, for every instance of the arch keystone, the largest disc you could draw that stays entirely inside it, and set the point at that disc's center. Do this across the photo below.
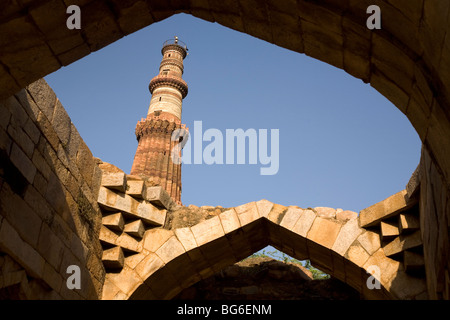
(291, 217)
(264, 207)
(247, 213)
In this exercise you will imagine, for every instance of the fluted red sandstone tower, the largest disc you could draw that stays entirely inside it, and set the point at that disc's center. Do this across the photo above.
(154, 133)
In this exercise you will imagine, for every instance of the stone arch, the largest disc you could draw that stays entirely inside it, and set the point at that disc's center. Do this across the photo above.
(407, 61)
(172, 260)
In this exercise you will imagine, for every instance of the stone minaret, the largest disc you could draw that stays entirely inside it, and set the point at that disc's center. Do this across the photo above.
(154, 133)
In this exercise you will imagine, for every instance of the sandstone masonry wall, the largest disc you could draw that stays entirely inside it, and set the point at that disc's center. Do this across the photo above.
(435, 227)
(49, 216)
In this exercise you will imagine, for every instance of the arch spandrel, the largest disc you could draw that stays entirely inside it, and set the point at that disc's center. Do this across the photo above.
(181, 257)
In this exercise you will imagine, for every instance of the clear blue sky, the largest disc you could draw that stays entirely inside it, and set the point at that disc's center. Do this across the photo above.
(342, 144)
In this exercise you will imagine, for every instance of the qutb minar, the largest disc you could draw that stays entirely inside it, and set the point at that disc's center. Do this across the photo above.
(154, 133)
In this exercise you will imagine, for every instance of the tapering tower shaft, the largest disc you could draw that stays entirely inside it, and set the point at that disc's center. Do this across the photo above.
(153, 158)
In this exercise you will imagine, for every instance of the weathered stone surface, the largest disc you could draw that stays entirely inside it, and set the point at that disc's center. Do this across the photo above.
(135, 188)
(113, 221)
(384, 209)
(155, 238)
(403, 242)
(389, 230)
(186, 237)
(304, 223)
(128, 205)
(207, 230)
(149, 265)
(135, 229)
(370, 241)
(113, 258)
(264, 207)
(357, 255)
(346, 215)
(408, 222)
(347, 235)
(229, 220)
(158, 197)
(115, 180)
(171, 249)
(291, 217)
(325, 212)
(247, 213)
(324, 232)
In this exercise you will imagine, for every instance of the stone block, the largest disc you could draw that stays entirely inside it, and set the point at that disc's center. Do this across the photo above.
(370, 241)
(61, 123)
(107, 236)
(408, 222)
(186, 237)
(20, 215)
(158, 197)
(304, 223)
(324, 232)
(247, 213)
(135, 229)
(346, 215)
(207, 231)
(388, 267)
(402, 243)
(357, 255)
(389, 230)
(277, 213)
(99, 25)
(114, 221)
(149, 265)
(23, 163)
(320, 257)
(131, 207)
(44, 97)
(85, 162)
(113, 258)
(114, 180)
(132, 17)
(155, 238)
(229, 220)
(264, 207)
(129, 243)
(384, 209)
(135, 188)
(127, 280)
(325, 212)
(12, 244)
(291, 217)
(347, 235)
(171, 249)
(413, 184)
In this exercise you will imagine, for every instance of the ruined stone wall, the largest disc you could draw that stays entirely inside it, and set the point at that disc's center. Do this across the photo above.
(262, 278)
(434, 226)
(49, 217)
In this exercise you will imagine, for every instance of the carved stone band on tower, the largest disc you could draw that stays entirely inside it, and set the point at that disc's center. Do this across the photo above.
(154, 133)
